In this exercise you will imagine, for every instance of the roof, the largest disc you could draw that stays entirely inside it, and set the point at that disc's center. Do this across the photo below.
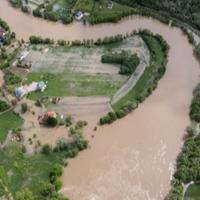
(51, 114)
(78, 14)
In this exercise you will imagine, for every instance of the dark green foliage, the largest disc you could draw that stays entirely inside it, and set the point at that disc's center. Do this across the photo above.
(24, 107)
(109, 40)
(109, 17)
(195, 106)
(183, 10)
(46, 149)
(4, 25)
(127, 62)
(3, 106)
(52, 121)
(39, 40)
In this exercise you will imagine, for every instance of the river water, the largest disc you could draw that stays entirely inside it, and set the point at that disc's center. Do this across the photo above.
(133, 158)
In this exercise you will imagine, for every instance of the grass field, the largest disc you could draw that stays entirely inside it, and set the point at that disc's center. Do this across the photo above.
(146, 78)
(193, 192)
(79, 70)
(75, 84)
(8, 121)
(26, 171)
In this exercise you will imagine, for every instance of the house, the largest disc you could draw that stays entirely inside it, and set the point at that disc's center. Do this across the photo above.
(79, 15)
(110, 4)
(50, 114)
(2, 35)
(35, 86)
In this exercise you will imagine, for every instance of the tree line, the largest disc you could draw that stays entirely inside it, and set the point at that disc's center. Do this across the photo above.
(127, 62)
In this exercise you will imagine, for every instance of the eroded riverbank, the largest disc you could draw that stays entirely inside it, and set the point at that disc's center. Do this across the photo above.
(133, 158)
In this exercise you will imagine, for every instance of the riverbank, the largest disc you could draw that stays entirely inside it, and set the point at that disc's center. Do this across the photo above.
(133, 158)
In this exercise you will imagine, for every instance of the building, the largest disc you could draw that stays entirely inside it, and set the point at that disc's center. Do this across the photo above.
(35, 86)
(2, 35)
(79, 15)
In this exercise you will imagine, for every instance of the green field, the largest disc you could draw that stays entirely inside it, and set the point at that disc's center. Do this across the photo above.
(8, 121)
(142, 85)
(193, 192)
(75, 84)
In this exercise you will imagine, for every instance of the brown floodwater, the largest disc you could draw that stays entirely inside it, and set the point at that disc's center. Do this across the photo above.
(133, 158)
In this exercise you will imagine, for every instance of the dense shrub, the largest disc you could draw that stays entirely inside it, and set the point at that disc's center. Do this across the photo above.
(3, 106)
(195, 106)
(46, 149)
(40, 40)
(24, 107)
(127, 62)
(183, 10)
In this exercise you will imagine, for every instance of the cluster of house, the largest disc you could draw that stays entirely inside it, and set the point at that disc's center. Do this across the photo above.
(79, 14)
(26, 89)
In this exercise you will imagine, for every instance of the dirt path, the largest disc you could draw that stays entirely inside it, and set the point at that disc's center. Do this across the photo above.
(133, 158)
(83, 107)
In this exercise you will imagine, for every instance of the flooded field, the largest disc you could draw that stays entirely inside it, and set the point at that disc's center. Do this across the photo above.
(133, 158)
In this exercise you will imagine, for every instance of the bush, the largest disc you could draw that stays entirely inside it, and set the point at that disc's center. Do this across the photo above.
(3, 106)
(57, 184)
(57, 170)
(52, 121)
(24, 107)
(46, 149)
(128, 63)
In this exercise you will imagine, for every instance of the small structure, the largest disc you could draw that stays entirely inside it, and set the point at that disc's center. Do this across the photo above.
(35, 86)
(110, 4)
(56, 7)
(79, 15)
(50, 114)
(2, 36)
(23, 55)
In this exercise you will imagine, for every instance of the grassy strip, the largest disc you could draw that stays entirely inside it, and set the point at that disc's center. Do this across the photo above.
(148, 82)
(193, 192)
(9, 121)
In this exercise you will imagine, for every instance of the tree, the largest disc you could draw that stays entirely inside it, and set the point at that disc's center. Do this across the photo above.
(52, 121)
(25, 194)
(24, 107)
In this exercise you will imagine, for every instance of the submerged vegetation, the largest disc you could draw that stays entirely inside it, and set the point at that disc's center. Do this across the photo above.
(38, 175)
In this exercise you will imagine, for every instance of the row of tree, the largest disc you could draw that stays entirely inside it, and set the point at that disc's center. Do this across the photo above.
(188, 161)
(127, 62)
(183, 10)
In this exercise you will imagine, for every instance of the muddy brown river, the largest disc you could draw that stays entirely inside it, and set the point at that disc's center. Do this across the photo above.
(133, 158)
